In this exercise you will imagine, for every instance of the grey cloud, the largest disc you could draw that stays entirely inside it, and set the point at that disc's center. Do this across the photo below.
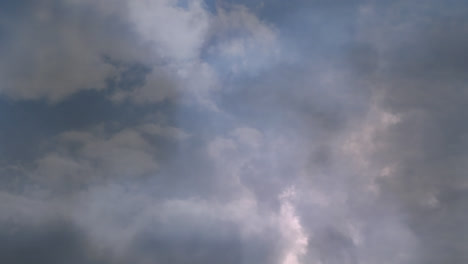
(52, 37)
(54, 242)
(259, 132)
(99, 155)
(59, 241)
(56, 49)
(420, 80)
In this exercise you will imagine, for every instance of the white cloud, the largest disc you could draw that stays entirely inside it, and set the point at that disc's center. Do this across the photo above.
(297, 239)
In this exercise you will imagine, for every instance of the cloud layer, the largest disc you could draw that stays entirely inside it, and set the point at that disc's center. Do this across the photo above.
(233, 132)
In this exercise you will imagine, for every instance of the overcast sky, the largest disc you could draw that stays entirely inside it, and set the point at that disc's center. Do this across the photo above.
(233, 131)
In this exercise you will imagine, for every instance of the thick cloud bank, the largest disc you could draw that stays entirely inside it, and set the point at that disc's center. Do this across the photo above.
(243, 132)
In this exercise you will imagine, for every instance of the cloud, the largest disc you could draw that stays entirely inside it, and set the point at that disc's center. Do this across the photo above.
(87, 45)
(54, 50)
(419, 81)
(86, 157)
(25, 244)
(234, 132)
(240, 43)
(180, 42)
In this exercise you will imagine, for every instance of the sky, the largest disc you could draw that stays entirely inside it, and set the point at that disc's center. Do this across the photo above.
(233, 131)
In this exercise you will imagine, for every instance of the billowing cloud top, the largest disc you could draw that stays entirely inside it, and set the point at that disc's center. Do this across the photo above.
(243, 132)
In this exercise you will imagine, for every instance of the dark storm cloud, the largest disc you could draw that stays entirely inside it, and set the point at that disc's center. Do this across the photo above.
(58, 240)
(233, 132)
(422, 78)
(53, 242)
